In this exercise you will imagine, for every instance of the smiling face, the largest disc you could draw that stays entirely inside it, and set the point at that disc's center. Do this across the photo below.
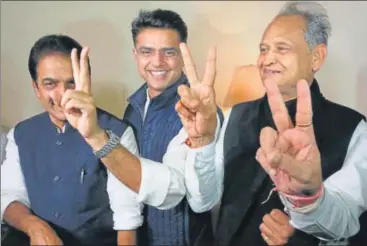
(158, 57)
(54, 77)
(285, 57)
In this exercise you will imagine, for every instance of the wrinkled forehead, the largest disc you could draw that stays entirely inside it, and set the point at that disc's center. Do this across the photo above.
(291, 28)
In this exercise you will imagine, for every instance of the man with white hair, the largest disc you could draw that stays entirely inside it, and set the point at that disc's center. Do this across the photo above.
(293, 48)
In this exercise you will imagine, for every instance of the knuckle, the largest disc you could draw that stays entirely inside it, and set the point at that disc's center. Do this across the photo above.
(276, 212)
(266, 218)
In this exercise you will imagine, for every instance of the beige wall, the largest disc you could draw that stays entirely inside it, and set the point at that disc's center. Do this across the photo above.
(235, 27)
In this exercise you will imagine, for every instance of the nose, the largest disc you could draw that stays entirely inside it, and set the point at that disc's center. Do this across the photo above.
(157, 59)
(58, 93)
(62, 88)
(268, 58)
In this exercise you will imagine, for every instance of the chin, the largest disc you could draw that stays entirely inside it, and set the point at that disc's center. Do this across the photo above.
(159, 84)
(60, 116)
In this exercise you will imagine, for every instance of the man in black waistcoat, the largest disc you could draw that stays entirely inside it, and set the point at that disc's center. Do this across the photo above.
(330, 209)
(293, 47)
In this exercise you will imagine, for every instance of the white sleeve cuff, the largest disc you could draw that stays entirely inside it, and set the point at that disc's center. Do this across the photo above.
(127, 211)
(207, 152)
(126, 223)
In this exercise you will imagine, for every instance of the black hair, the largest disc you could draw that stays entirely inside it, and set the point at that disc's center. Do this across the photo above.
(159, 18)
(51, 44)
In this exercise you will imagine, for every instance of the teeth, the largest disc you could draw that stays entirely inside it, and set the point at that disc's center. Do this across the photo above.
(271, 72)
(158, 73)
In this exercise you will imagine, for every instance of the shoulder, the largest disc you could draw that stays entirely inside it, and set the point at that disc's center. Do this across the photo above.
(30, 125)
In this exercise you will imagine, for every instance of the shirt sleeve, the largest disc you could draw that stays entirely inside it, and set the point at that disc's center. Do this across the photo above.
(185, 172)
(204, 173)
(12, 180)
(345, 197)
(127, 211)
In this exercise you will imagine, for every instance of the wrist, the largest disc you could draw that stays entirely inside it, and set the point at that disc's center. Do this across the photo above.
(32, 224)
(299, 201)
(199, 142)
(97, 140)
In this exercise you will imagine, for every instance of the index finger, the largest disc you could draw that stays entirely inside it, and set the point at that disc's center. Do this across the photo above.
(189, 65)
(304, 106)
(210, 70)
(76, 67)
(84, 78)
(277, 106)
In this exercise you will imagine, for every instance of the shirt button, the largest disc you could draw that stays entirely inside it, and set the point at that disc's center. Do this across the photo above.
(57, 215)
(58, 143)
(56, 178)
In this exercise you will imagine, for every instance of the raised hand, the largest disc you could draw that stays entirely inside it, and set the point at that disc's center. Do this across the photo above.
(290, 155)
(197, 107)
(78, 104)
(276, 229)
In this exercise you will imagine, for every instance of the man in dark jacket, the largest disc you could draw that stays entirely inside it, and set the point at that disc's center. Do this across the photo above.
(196, 181)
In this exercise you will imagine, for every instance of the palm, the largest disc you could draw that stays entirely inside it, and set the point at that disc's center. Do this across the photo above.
(78, 104)
(196, 127)
(198, 100)
(291, 155)
(79, 121)
(302, 151)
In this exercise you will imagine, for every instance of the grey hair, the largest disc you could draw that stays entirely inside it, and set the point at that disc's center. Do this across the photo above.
(316, 17)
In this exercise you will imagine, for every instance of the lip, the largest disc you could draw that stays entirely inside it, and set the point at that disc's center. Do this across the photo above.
(270, 72)
(158, 73)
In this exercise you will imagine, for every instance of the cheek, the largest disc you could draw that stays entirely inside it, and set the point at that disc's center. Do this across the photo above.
(142, 65)
(175, 65)
(288, 62)
(260, 60)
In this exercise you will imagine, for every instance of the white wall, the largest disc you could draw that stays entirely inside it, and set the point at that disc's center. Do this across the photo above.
(235, 27)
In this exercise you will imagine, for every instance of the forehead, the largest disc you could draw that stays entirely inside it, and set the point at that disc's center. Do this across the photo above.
(55, 65)
(158, 38)
(286, 28)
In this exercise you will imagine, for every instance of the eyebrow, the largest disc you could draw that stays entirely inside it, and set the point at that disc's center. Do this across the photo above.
(169, 49)
(56, 80)
(283, 43)
(151, 48)
(49, 79)
(277, 43)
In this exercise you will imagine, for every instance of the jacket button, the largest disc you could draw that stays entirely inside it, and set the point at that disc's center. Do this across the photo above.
(57, 215)
(58, 143)
(56, 178)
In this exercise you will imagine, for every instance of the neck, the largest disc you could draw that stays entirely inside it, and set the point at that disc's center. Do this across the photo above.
(58, 123)
(153, 93)
(290, 92)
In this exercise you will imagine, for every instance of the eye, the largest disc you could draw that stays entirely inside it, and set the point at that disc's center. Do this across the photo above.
(263, 49)
(282, 49)
(145, 52)
(49, 84)
(170, 53)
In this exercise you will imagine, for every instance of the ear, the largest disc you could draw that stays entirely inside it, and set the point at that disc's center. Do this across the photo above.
(319, 54)
(36, 88)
